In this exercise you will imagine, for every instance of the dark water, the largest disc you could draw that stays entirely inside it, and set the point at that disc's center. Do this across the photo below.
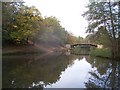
(59, 71)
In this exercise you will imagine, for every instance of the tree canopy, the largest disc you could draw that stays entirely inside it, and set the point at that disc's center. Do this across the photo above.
(104, 23)
(22, 23)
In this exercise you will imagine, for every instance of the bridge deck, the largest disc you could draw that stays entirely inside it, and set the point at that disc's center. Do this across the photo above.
(84, 45)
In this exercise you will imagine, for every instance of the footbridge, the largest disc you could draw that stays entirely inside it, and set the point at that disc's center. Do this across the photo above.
(83, 45)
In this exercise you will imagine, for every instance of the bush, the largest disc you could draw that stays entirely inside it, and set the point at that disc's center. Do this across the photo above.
(101, 53)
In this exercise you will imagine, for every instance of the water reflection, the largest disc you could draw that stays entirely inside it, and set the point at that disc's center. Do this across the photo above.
(59, 71)
(104, 74)
(25, 71)
(74, 76)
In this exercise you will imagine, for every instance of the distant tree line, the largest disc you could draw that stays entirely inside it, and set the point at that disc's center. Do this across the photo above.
(21, 23)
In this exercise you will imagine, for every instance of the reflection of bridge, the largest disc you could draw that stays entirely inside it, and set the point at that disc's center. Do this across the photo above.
(83, 45)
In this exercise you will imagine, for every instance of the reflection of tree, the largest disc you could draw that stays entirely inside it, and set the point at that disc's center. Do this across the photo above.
(101, 64)
(105, 73)
(34, 71)
(37, 72)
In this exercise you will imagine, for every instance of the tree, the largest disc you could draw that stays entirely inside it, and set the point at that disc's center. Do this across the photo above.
(105, 14)
(53, 33)
(71, 38)
(8, 13)
(23, 23)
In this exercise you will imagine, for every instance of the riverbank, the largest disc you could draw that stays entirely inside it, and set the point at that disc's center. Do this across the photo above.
(103, 53)
(31, 49)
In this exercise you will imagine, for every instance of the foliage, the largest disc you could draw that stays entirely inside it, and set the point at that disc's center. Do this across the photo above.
(104, 23)
(106, 53)
(22, 23)
(99, 37)
(51, 31)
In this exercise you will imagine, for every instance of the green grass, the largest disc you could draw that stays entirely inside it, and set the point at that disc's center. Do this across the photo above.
(105, 53)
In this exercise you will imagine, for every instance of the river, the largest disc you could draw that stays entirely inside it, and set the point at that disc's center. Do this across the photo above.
(59, 71)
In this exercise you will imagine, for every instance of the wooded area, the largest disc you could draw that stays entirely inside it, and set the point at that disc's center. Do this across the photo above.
(104, 24)
(22, 24)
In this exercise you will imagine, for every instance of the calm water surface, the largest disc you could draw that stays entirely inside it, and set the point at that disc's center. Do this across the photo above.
(59, 71)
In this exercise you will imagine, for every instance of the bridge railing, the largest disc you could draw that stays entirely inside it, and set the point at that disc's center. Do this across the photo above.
(84, 45)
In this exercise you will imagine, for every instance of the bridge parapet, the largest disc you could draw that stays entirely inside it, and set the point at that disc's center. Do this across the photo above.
(84, 45)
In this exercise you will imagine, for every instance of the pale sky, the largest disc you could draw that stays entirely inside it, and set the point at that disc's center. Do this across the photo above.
(68, 13)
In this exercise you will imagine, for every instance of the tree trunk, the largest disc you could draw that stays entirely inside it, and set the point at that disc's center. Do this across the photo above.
(118, 28)
(114, 40)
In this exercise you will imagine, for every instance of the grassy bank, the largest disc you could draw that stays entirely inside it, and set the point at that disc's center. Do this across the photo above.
(105, 53)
